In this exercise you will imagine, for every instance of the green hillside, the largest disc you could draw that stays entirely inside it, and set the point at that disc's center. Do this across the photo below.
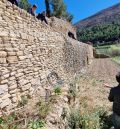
(108, 33)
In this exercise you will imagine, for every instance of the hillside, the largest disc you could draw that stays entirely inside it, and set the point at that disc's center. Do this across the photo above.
(104, 16)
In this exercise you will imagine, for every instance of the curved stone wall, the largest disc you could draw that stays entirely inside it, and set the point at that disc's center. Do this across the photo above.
(31, 51)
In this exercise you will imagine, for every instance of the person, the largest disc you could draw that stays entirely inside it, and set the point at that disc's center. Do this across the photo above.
(71, 35)
(41, 16)
(114, 97)
(14, 2)
(32, 10)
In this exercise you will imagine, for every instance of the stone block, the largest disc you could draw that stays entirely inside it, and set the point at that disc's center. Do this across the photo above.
(12, 59)
(13, 87)
(22, 57)
(3, 54)
(26, 87)
(11, 53)
(3, 89)
(4, 81)
(6, 96)
(4, 76)
(2, 60)
(13, 91)
(5, 103)
(23, 82)
(20, 53)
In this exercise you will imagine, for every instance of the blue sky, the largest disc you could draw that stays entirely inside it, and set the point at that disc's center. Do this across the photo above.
(80, 8)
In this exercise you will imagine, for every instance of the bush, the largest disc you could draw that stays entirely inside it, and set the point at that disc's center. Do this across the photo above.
(36, 124)
(9, 122)
(96, 119)
(72, 93)
(115, 52)
(44, 108)
(23, 102)
(74, 119)
(57, 90)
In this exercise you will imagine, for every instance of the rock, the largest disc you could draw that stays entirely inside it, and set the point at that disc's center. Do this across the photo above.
(22, 57)
(6, 96)
(3, 89)
(5, 103)
(2, 60)
(20, 53)
(3, 54)
(12, 59)
(11, 53)
(13, 87)
(26, 87)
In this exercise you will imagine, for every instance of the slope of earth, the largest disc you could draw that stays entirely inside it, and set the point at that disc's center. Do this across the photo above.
(92, 89)
(104, 16)
(104, 70)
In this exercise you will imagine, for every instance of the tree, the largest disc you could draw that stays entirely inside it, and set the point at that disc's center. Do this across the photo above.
(60, 10)
(107, 33)
(47, 4)
(24, 4)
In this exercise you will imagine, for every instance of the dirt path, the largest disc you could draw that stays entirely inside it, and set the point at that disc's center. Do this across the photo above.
(104, 69)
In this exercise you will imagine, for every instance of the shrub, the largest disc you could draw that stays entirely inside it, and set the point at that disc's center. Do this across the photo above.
(96, 119)
(36, 124)
(57, 90)
(72, 93)
(115, 52)
(9, 122)
(74, 119)
(44, 108)
(23, 102)
(64, 113)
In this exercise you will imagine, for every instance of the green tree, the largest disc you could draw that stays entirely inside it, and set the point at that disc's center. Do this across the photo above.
(107, 33)
(60, 10)
(48, 11)
(24, 4)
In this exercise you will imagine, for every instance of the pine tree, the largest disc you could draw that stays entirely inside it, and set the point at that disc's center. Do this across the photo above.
(24, 4)
(60, 10)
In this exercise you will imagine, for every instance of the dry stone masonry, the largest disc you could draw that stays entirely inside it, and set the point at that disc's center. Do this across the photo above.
(31, 50)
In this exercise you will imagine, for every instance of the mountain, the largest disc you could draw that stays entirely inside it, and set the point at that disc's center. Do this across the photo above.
(104, 16)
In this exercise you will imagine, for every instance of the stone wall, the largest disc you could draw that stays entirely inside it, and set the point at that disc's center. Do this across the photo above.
(31, 53)
(62, 26)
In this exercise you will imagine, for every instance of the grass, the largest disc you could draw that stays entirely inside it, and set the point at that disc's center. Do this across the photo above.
(111, 50)
(116, 59)
(93, 111)
(96, 118)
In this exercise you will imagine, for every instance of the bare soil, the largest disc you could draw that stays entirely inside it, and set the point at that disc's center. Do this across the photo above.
(92, 89)
(104, 69)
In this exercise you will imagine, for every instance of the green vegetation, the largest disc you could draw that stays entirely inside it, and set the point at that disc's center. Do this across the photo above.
(107, 33)
(72, 93)
(60, 10)
(23, 102)
(116, 59)
(110, 50)
(89, 119)
(36, 124)
(43, 108)
(9, 122)
(24, 4)
(57, 90)
(15, 121)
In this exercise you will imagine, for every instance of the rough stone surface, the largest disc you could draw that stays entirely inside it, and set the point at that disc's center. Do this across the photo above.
(34, 55)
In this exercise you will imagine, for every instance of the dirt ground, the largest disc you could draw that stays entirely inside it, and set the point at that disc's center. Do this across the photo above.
(92, 89)
(104, 69)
